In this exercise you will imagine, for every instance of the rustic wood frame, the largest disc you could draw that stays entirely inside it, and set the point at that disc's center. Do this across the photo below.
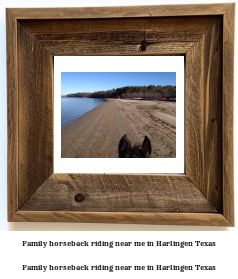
(204, 34)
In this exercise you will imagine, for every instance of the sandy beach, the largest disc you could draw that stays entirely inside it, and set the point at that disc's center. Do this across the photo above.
(97, 133)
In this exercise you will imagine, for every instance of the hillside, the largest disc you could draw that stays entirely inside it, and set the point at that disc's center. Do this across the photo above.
(151, 92)
(80, 95)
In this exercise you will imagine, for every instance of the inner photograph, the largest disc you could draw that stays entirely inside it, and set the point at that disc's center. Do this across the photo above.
(118, 114)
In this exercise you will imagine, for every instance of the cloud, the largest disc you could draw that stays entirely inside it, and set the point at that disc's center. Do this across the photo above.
(90, 84)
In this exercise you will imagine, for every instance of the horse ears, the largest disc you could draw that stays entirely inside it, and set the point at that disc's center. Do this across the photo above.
(124, 143)
(146, 147)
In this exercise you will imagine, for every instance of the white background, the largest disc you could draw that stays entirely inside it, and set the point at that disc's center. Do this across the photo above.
(226, 266)
(13, 256)
(4, 226)
(117, 64)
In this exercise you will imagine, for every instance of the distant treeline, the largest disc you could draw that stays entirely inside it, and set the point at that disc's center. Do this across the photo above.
(131, 92)
(80, 95)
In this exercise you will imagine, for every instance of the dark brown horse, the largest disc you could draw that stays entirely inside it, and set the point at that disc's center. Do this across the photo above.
(126, 151)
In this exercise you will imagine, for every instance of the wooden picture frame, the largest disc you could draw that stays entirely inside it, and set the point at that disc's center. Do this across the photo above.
(203, 34)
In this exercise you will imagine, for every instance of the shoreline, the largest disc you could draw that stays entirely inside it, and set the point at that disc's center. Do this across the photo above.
(97, 133)
(82, 112)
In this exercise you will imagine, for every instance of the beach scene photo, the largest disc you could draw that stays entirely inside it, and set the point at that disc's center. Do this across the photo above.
(118, 115)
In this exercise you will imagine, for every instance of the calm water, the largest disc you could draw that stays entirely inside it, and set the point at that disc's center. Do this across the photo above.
(72, 108)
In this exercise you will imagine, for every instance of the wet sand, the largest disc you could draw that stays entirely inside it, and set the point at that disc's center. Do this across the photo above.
(97, 133)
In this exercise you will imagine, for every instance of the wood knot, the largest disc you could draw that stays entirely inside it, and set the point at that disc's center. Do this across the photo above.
(213, 120)
(79, 198)
(143, 45)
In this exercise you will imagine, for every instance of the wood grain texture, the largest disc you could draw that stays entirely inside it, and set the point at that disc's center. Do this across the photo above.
(204, 115)
(12, 110)
(154, 218)
(74, 48)
(35, 135)
(115, 193)
(227, 114)
(119, 36)
(47, 29)
(118, 12)
(204, 36)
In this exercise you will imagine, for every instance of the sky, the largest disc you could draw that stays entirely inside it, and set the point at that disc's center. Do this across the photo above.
(74, 82)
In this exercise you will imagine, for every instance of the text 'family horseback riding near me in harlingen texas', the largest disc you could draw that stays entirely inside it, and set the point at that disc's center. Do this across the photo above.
(112, 244)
